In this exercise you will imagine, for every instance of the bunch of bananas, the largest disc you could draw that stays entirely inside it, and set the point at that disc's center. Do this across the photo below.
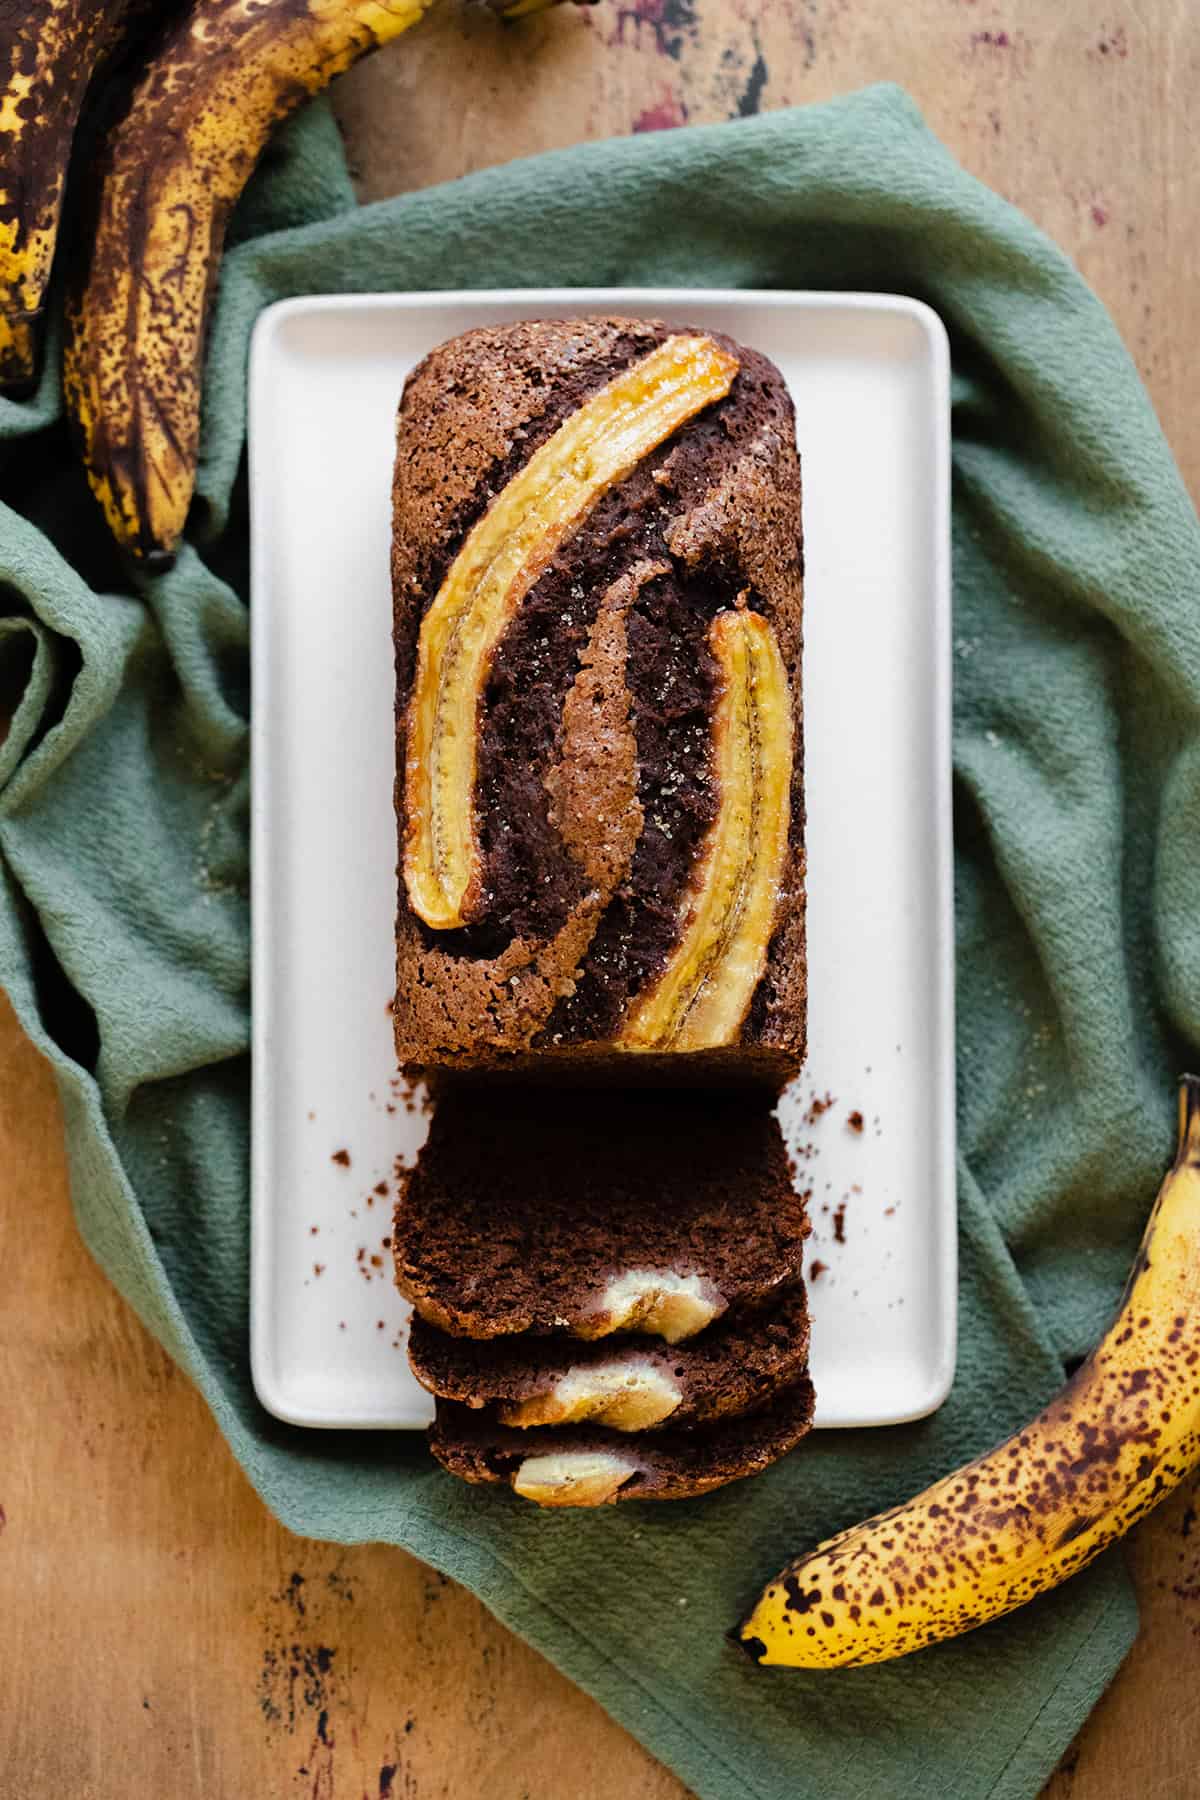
(214, 78)
(1123, 1432)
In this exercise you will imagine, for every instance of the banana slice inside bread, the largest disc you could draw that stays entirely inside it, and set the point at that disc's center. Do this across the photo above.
(626, 1384)
(584, 1466)
(582, 1216)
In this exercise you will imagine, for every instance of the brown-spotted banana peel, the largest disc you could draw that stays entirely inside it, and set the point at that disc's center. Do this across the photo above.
(166, 180)
(168, 175)
(1121, 1434)
(49, 51)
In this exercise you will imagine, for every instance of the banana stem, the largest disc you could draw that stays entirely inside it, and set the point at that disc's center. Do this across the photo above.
(1188, 1152)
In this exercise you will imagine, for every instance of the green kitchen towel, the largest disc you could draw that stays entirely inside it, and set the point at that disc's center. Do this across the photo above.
(123, 929)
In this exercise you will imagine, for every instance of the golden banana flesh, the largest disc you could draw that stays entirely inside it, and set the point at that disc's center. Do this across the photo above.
(1120, 1435)
(701, 998)
(500, 561)
(49, 51)
(169, 174)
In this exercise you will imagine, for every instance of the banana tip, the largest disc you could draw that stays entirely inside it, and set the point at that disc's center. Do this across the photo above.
(157, 562)
(752, 1647)
(1189, 1119)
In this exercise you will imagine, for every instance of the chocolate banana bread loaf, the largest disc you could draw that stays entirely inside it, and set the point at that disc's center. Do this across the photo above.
(587, 1466)
(624, 1383)
(597, 616)
(543, 1211)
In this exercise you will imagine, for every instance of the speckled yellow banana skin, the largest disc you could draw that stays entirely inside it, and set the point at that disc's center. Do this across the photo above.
(49, 50)
(171, 171)
(1120, 1435)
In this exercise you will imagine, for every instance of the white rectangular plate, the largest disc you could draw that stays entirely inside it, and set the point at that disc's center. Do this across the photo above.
(870, 379)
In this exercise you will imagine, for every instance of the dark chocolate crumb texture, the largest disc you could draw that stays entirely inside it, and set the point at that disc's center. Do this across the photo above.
(625, 1383)
(597, 612)
(588, 1466)
(655, 1213)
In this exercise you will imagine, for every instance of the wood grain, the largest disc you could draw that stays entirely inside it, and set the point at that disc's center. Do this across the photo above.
(163, 1634)
(1078, 113)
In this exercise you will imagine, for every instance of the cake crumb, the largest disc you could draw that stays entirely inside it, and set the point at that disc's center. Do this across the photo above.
(381, 1188)
(313, 1230)
(855, 1121)
(818, 1105)
(817, 1270)
(318, 1268)
(839, 1222)
(341, 1158)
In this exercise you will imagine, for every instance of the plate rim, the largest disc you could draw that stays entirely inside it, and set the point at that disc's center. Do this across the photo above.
(267, 1379)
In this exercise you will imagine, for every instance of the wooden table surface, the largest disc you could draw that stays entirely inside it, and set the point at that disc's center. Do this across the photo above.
(164, 1636)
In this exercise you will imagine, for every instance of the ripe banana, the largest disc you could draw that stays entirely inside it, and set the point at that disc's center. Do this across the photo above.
(49, 51)
(169, 174)
(1120, 1435)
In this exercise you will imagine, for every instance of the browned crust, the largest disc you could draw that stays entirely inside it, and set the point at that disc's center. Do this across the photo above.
(472, 412)
(593, 786)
